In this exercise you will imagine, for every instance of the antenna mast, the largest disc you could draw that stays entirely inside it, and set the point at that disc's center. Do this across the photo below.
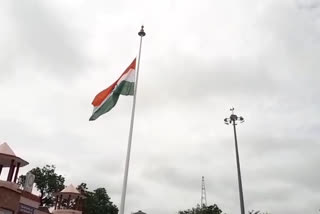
(203, 194)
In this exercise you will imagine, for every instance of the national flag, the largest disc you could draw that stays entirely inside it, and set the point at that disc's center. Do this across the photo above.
(107, 99)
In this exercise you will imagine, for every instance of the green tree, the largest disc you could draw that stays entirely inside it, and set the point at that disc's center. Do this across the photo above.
(212, 209)
(97, 202)
(47, 182)
(257, 212)
(82, 188)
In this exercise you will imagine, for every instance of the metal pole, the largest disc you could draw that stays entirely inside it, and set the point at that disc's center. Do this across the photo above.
(238, 167)
(126, 171)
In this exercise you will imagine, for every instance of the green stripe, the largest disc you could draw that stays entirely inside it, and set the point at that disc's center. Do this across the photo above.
(125, 88)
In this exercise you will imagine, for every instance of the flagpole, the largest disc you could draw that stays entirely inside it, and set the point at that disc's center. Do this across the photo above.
(125, 178)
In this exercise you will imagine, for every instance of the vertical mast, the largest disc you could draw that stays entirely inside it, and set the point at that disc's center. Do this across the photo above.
(203, 194)
(125, 178)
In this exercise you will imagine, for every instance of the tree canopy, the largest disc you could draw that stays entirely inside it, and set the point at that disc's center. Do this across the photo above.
(97, 202)
(47, 182)
(257, 212)
(212, 209)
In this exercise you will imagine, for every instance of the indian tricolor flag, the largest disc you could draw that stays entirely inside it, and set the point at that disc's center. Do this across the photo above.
(107, 99)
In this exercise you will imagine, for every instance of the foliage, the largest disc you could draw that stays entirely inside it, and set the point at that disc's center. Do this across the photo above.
(212, 209)
(97, 202)
(257, 212)
(47, 182)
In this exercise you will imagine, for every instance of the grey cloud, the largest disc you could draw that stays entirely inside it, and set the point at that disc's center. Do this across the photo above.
(45, 38)
(189, 79)
(309, 4)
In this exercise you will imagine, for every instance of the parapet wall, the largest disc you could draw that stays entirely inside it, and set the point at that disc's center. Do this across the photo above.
(67, 211)
(9, 196)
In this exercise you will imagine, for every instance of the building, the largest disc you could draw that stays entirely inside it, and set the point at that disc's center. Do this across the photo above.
(14, 200)
(68, 201)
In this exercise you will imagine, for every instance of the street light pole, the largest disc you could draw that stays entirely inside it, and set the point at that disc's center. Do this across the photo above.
(232, 120)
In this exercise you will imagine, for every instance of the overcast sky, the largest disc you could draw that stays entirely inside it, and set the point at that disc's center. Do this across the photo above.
(199, 58)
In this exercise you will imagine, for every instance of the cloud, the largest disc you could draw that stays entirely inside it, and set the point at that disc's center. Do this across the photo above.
(39, 39)
(198, 60)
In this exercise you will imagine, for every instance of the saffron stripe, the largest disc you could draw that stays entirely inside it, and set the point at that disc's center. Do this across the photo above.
(100, 97)
(125, 88)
